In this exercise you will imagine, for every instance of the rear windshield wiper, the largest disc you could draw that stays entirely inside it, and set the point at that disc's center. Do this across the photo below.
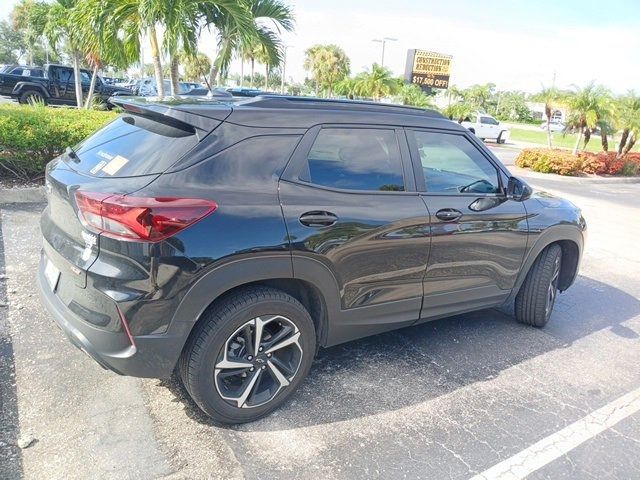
(72, 154)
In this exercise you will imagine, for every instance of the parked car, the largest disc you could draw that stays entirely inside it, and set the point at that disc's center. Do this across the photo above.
(554, 126)
(300, 223)
(484, 126)
(245, 92)
(217, 93)
(148, 87)
(56, 87)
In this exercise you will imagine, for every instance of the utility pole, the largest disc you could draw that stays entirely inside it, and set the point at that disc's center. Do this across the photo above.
(384, 41)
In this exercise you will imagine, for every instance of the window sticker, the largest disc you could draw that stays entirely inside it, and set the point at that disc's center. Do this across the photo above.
(115, 165)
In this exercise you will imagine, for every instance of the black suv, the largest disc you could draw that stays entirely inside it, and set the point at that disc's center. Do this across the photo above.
(230, 241)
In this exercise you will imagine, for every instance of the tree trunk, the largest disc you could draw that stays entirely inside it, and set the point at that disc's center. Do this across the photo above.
(241, 71)
(630, 144)
(77, 79)
(157, 63)
(578, 140)
(266, 77)
(623, 141)
(587, 137)
(549, 130)
(253, 66)
(605, 140)
(174, 75)
(92, 87)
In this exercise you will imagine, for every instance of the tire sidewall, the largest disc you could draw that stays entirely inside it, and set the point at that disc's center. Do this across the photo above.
(31, 95)
(204, 391)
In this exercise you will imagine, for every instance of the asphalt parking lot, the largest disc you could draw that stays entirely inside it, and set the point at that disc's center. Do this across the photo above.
(452, 398)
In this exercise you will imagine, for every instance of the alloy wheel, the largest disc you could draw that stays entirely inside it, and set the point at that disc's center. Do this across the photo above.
(258, 360)
(552, 291)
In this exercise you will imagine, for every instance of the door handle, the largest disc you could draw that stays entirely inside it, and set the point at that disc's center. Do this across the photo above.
(448, 214)
(318, 219)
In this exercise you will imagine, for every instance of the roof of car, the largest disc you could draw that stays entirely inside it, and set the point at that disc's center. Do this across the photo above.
(296, 112)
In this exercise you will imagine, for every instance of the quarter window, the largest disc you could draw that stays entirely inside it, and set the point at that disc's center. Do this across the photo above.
(452, 164)
(355, 159)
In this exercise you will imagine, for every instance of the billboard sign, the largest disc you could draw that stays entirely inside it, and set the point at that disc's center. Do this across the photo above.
(428, 69)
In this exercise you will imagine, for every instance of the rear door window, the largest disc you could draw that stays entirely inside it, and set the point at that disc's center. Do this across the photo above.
(355, 159)
(133, 145)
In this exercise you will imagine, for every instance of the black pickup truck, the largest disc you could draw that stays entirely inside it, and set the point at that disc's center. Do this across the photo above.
(56, 87)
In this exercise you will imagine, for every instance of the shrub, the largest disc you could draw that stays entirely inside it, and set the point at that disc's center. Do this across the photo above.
(563, 162)
(30, 136)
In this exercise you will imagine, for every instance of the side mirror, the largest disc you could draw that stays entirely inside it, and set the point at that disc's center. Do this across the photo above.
(518, 190)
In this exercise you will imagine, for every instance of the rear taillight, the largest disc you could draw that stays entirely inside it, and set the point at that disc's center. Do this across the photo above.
(140, 218)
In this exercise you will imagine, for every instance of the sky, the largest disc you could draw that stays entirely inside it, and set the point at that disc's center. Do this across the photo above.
(517, 44)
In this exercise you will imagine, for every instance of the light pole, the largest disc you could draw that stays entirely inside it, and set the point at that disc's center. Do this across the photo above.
(284, 68)
(384, 41)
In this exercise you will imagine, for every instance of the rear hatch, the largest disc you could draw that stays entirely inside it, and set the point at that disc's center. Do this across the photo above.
(121, 158)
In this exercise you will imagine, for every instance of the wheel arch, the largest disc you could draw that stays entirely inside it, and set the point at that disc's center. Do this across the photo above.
(22, 87)
(276, 272)
(571, 241)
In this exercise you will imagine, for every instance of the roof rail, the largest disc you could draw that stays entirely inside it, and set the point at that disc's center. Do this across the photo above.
(285, 101)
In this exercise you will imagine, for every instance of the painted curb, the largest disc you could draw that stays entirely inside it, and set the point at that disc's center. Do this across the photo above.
(22, 195)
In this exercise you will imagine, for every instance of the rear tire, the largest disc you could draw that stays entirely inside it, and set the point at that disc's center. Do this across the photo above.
(536, 298)
(231, 379)
(31, 97)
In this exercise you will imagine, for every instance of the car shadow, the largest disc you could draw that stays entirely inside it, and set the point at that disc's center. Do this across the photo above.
(394, 370)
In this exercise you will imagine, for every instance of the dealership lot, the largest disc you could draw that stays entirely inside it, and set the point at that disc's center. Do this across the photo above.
(449, 399)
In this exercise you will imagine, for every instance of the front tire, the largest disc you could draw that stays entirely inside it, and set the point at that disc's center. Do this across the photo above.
(248, 355)
(537, 296)
(31, 97)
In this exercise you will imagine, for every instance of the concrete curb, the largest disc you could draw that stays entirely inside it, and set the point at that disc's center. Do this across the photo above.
(525, 172)
(22, 195)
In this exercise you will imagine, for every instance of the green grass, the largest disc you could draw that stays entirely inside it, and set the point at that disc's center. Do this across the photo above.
(560, 140)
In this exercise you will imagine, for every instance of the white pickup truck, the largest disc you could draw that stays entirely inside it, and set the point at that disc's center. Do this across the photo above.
(484, 126)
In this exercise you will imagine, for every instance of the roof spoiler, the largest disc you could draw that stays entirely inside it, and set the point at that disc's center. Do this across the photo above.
(172, 112)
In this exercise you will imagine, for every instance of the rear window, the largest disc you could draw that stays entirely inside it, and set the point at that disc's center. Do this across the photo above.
(133, 145)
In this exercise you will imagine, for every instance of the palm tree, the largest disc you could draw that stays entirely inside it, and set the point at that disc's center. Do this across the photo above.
(479, 95)
(378, 83)
(137, 18)
(411, 94)
(551, 98)
(328, 65)
(587, 106)
(628, 118)
(62, 32)
(240, 29)
(181, 28)
(99, 43)
(348, 87)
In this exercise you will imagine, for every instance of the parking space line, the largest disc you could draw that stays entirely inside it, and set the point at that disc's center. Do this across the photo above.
(560, 443)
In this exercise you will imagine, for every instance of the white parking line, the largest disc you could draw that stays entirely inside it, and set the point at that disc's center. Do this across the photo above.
(558, 444)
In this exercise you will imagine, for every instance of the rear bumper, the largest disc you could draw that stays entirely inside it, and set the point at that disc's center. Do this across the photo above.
(153, 356)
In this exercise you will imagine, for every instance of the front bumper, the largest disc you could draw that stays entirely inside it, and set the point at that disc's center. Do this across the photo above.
(153, 356)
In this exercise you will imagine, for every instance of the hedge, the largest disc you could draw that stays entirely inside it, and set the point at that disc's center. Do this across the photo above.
(564, 162)
(30, 136)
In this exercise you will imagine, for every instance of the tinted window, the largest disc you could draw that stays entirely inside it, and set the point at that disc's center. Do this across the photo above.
(356, 159)
(452, 164)
(133, 145)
